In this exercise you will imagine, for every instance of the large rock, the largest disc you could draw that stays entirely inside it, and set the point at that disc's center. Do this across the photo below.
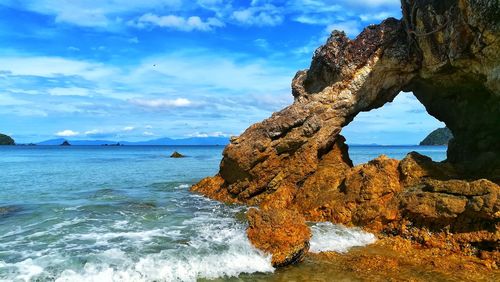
(280, 232)
(447, 53)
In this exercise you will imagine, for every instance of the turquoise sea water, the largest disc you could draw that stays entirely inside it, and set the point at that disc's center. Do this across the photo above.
(125, 214)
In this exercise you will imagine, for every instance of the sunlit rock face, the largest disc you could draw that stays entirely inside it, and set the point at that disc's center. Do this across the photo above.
(281, 232)
(448, 54)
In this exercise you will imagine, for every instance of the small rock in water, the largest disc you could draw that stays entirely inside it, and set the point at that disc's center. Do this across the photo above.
(65, 143)
(177, 155)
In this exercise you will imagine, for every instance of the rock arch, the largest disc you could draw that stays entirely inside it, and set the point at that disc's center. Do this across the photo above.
(447, 53)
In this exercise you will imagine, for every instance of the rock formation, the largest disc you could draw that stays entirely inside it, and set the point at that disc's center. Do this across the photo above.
(281, 232)
(177, 155)
(6, 140)
(447, 53)
(440, 136)
(65, 143)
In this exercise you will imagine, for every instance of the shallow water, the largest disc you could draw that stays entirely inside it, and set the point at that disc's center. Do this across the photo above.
(125, 213)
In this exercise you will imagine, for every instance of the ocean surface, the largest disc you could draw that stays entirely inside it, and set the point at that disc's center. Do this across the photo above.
(92, 213)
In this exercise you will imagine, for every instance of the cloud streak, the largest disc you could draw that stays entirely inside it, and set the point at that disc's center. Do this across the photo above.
(176, 22)
(67, 133)
(162, 103)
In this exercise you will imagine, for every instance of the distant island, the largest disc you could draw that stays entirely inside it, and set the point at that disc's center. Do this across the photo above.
(191, 141)
(440, 136)
(65, 143)
(6, 140)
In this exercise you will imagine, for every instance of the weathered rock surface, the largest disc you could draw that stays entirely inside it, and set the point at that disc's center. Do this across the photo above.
(280, 232)
(396, 259)
(448, 54)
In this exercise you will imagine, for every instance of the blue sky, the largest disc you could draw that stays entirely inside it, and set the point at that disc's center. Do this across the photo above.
(137, 70)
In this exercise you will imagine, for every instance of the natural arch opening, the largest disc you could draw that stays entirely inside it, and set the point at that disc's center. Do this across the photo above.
(395, 129)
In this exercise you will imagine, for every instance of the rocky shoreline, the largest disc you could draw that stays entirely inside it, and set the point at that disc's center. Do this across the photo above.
(295, 165)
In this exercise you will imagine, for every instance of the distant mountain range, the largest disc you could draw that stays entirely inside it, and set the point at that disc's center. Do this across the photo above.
(193, 141)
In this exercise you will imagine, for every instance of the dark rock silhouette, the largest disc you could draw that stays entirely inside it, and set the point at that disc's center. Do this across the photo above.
(440, 136)
(6, 140)
(65, 143)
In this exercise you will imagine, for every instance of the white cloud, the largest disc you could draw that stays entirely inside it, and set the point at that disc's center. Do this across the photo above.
(101, 14)
(161, 103)
(133, 40)
(177, 22)
(375, 17)
(262, 43)
(351, 28)
(93, 132)
(128, 128)
(222, 86)
(210, 134)
(24, 91)
(70, 91)
(343, 12)
(266, 15)
(323, 6)
(108, 132)
(148, 133)
(67, 133)
(53, 66)
(113, 15)
(196, 69)
(8, 100)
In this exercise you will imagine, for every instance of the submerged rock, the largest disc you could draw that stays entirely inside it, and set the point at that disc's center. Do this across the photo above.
(6, 211)
(448, 54)
(177, 155)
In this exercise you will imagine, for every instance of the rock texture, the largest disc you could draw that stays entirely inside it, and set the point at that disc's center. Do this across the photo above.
(280, 232)
(448, 54)
(440, 136)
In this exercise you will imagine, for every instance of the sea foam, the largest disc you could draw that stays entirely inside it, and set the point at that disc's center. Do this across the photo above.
(337, 238)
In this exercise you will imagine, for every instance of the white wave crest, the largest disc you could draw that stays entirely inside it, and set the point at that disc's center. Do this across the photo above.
(327, 236)
(210, 244)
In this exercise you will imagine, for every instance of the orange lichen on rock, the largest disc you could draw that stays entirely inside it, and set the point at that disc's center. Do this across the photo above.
(362, 195)
(397, 259)
(280, 232)
(213, 187)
